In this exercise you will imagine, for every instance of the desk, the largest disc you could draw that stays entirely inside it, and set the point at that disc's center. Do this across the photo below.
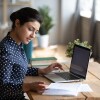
(93, 79)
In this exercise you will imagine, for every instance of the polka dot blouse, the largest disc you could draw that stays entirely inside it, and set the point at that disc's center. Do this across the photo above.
(13, 68)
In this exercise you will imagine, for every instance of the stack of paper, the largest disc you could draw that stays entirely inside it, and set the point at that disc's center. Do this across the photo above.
(69, 89)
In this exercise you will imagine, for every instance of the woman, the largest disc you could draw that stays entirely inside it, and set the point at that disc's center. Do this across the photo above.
(13, 62)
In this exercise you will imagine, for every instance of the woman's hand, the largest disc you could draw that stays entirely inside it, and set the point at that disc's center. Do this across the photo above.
(38, 87)
(50, 68)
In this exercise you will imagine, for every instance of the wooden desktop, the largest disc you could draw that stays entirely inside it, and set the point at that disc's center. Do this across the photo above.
(92, 79)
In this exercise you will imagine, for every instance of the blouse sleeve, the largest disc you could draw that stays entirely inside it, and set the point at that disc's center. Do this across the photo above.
(32, 71)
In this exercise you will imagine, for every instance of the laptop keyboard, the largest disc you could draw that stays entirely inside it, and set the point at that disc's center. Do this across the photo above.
(67, 76)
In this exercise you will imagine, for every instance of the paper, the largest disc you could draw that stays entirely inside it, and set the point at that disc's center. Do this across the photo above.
(26, 96)
(85, 88)
(59, 92)
(64, 86)
(69, 89)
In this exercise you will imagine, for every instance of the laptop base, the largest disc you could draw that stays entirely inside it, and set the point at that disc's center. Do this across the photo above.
(56, 78)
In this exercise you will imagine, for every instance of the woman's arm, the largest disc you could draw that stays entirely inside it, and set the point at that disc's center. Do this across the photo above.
(32, 71)
(37, 71)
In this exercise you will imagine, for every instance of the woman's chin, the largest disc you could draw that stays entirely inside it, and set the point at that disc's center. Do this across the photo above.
(26, 42)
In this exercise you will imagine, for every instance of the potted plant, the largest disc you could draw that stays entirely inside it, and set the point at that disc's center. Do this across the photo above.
(69, 50)
(43, 37)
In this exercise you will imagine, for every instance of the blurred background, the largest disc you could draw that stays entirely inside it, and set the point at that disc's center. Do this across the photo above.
(71, 19)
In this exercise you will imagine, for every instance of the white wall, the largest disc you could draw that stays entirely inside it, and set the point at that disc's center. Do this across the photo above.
(62, 12)
(54, 12)
(67, 12)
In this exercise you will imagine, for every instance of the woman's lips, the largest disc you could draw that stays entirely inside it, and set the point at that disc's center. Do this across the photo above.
(28, 39)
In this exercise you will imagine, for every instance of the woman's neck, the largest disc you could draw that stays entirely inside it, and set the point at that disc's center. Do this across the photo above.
(14, 37)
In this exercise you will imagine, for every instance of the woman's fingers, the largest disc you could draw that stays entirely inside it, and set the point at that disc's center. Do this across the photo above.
(57, 66)
(38, 86)
(41, 88)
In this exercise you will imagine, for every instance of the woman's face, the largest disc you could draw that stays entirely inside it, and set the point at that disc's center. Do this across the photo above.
(25, 33)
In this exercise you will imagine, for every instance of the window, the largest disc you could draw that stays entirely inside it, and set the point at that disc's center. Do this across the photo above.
(86, 8)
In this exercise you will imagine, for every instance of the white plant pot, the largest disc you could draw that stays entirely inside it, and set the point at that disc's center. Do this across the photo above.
(43, 41)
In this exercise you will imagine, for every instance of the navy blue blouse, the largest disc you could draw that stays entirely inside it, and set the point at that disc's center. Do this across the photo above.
(13, 69)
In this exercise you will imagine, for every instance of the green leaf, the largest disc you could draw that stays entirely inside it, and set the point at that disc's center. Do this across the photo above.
(70, 46)
(47, 20)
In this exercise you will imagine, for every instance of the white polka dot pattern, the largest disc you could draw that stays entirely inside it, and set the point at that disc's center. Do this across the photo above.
(13, 68)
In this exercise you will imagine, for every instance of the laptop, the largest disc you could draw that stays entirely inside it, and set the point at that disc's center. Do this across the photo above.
(78, 67)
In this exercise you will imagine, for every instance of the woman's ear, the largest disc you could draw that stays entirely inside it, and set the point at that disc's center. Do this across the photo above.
(17, 23)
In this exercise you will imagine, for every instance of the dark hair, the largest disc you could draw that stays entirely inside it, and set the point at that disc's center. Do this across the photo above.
(25, 14)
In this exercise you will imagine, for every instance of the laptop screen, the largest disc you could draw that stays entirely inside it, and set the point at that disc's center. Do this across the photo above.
(79, 62)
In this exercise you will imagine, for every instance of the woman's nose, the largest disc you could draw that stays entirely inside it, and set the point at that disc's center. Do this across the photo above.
(33, 35)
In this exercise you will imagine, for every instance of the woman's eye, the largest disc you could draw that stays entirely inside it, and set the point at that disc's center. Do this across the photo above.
(31, 29)
(36, 32)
